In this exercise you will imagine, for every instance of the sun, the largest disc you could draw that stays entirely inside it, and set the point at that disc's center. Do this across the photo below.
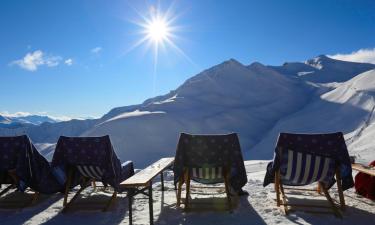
(157, 30)
(158, 33)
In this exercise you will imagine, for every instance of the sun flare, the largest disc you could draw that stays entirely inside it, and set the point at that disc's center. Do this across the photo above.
(157, 30)
(159, 33)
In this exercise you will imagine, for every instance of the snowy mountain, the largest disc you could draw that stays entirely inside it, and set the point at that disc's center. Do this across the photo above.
(323, 69)
(256, 101)
(16, 121)
(348, 108)
(226, 98)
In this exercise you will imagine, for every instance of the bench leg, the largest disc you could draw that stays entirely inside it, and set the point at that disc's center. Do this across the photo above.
(150, 204)
(130, 199)
(162, 180)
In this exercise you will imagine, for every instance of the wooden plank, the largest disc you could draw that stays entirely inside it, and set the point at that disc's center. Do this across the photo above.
(143, 177)
(364, 169)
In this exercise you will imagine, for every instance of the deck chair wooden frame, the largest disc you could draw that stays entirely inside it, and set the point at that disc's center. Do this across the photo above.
(13, 185)
(87, 181)
(281, 199)
(186, 178)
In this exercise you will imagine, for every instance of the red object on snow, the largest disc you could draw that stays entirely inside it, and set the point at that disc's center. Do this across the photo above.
(365, 184)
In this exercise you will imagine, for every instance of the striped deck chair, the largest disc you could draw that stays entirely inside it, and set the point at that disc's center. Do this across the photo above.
(305, 164)
(207, 159)
(204, 174)
(86, 160)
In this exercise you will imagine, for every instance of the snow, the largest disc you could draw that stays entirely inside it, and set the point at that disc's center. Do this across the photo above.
(325, 69)
(348, 108)
(229, 97)
(256, 101)
(305, 73)
(132, 114)
(257, 208)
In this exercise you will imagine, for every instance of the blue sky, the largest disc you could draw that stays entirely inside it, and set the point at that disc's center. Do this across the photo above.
(75, 58)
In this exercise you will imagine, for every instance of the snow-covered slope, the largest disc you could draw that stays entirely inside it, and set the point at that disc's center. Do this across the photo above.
(229, 97)
(255, 101)
(348, 108)
(323, 69)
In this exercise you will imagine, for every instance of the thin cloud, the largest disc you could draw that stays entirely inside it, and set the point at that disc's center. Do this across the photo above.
(33, 60)
(69, 62)
(96, 50)
(362, 55)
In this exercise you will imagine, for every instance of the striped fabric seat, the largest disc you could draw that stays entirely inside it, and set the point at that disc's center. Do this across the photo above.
(208, 173)
(91, 171)
(299, 168)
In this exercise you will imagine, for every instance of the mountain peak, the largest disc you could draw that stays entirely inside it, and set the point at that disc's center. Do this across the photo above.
(256, 65)
(231, 61)
(318, 62)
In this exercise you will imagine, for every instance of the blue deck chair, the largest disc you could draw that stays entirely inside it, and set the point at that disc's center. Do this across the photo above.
(209, 159)
(22, 167)
(85, 160)
(302, 159)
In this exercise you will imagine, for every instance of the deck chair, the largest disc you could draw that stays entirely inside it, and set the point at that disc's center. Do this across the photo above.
(209, 159)
(85, 160)
(22, 168)
(303, 159)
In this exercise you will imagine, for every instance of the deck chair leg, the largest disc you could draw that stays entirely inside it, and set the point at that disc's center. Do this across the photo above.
(226, 183)
(67, 186)
(277, 187)
(6, 189)
(65, 208)
(110, 202)
(283, 196)
(319, 188)
(179, 190)
(187, 183)
(34, 198)
(332, 204)
(94, 185)
(339, 189)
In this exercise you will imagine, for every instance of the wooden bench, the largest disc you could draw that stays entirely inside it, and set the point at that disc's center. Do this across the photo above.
(142, 181)
(364, 169)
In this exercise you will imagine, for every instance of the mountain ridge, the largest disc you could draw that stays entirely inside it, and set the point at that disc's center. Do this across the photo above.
(229, 97)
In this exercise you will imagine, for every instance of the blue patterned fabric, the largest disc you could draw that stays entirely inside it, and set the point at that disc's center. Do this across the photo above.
(306, 158)
(90, 152)
(206, 152)
(32, 169)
